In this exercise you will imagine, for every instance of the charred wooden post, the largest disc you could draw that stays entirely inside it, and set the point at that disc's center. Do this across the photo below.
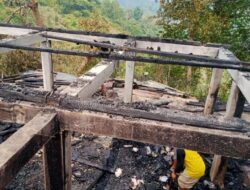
(213, 91)
(53, 164)
(235, 107)
(19, 148)
(67, 159)
(47, 67)
(129, 76)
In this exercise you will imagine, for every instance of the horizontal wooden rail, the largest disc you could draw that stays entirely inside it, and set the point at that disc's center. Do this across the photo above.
(117, 56)
(212, 141)
(120, 36)
(27, 40)
(108, 45)
(168, 45)
(127, 110)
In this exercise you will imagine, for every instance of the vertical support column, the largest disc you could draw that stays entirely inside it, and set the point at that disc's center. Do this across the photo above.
(47, 67)
(53, 164)
(235, 107)
(67, 158)
(213, 91)
(57, 162)
(129, 77)
(210, 103)
(129, 80)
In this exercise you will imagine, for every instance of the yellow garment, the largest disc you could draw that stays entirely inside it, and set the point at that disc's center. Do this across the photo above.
(194, 164)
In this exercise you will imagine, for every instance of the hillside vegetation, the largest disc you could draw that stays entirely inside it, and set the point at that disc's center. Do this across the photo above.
(150, 7)
(218, 21)
(94, 15)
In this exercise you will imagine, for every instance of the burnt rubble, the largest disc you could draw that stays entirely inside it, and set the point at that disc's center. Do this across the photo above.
(95, 160)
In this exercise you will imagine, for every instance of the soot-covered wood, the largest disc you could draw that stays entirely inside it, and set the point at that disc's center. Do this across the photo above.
(126, 110)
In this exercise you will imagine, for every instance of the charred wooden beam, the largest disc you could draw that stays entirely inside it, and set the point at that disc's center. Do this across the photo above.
(125, 110)
(145, 51)
(168, 45)
(18, 149)
(27, 40)
(213, 141)
(116, 56)
(119, 36)
(240, 78)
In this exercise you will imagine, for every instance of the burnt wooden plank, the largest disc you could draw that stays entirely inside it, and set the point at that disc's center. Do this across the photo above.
(125, 110)
(226, 143)
(18, 149)
(232, 144)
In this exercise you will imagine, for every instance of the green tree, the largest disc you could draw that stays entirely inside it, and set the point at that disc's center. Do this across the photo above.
(218, 21)
(137, 13)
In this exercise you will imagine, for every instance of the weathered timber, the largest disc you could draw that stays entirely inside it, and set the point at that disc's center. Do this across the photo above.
(240, 78)
(168, 45)
(18, 149)
(145, 51)
(212, 141)
(125, 110)
(67, 158)
(129, 76)
(122, 36)
(87, 85)
(234, 107)
(213, 91)
(117, 56)
(27, 40)
(47, 67)
(53, 163)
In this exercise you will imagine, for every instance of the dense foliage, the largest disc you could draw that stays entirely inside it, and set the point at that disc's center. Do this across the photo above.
(216, 21)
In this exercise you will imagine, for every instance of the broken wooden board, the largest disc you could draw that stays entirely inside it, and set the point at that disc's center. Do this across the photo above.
(18, 149)
(89, 83)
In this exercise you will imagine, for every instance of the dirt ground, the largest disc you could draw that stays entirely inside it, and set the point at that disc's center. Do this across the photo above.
(146, 163)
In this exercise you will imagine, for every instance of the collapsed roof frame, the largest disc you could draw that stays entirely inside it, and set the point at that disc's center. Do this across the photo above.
(57, 147)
